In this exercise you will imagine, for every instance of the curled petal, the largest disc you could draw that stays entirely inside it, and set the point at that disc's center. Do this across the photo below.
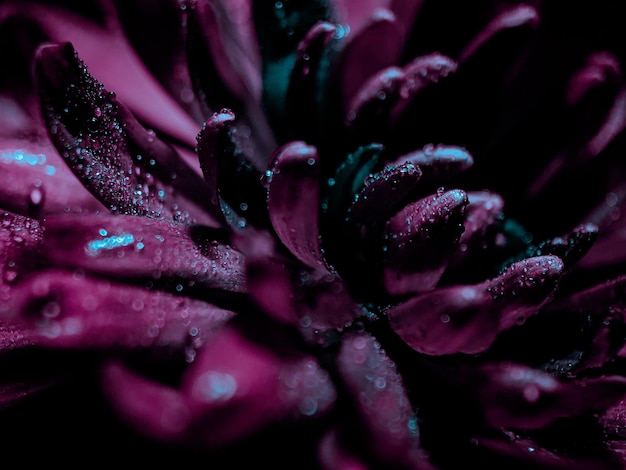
(420, 239)
(467, 318)
(293, 201)
(381, 194)
(367, 112)
(68, 311)
(480, 237)
(304, 81)
(521, 397)
(438, 162)
(121, 163)
(137, 249)
(515, 17)
(381, 40)
(234, 184)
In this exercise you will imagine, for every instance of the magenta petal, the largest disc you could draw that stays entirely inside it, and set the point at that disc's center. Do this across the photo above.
(117, 66)
(237, 62)
(515, 17)
(234, 184)
(380, 40)
(333, 456)
(467, 318)
(520, 397)
(388, 417)
(68, 311)
(270, 287)
(367, 112)
(418, 75)
(482, 216)
(234, 389)
(20, 245)
(138, 249)
(37, 182)
(438, 162)
(293, 201)
(382, 193)
(529, 453)
(420, 239)
(304, 85)
(156, 410)
(97, 136)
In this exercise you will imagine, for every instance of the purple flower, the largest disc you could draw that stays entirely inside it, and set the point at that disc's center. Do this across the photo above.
(323, 234)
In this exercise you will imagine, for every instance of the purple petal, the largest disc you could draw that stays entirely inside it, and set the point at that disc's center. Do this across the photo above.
(419, 241)
(381, 194)
(20, 245)
(235, 59)
(234, 184)
(480, 237)
(117, 65)
(419, 74)
(271, 289)
(367, 112)
(388, 417)
(357, 14)
(293, 201)
(515, 17)
(37, 182)
(531, 454)
(438, 162)
(333, 456)
(97, 136)
(380, 40)
(303, 81)
(69, 311)
(467, 318)
(232, 390)
(138, 249)
(517, 396)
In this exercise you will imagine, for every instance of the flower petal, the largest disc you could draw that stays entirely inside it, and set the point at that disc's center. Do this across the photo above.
(381, 39)
(103, 144)
(234, 183)
(419, 241)
(137, 249)
(513, 395)
(293, 201)
(20, 245)
(389, 422)
(306, 84)
(73, 312)
(234, 389)
(467, 318)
